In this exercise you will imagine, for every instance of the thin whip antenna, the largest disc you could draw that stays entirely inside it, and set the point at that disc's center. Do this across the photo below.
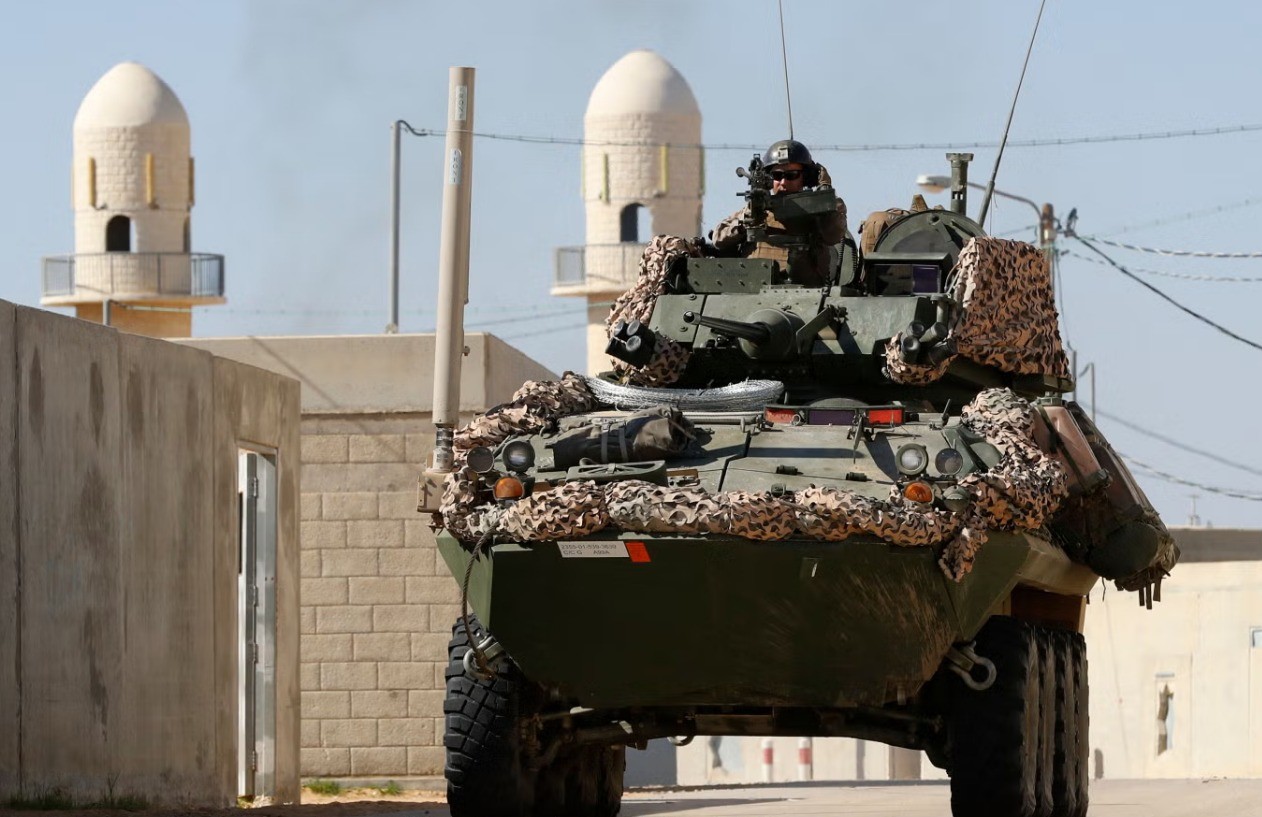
(990, 187)
(784, 55)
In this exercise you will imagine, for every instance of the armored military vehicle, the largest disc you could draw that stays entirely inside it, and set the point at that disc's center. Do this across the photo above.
(865, 509)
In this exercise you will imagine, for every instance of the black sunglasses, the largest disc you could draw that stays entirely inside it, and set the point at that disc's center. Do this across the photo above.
(786, 175)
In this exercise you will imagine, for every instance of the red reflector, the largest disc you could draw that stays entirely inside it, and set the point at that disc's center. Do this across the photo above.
(638, 552)
(888, 417)
(784, 416)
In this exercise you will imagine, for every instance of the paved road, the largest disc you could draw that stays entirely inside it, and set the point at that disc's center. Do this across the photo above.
(1109, 798)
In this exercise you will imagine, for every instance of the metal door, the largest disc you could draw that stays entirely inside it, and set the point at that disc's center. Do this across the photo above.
(256, 616)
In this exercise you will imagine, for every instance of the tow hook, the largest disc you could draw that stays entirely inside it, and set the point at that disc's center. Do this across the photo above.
(489, 649)
(962, 660)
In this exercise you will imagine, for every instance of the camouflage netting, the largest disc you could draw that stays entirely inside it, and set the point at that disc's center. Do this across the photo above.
(636, 304)
(1006, 316)
(533, 407)
(1022, 491)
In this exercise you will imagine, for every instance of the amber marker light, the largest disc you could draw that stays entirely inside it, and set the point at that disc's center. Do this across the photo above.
(914, 492)
(781, 416)
(509, 488)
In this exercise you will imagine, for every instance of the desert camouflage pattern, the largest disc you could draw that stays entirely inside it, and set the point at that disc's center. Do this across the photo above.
(1006, 316)
(1022, 491)
(636, 304)
(1026, 486)
(533, 406)
(569, 511)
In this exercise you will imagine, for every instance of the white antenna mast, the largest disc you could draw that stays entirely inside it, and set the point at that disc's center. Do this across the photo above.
(784, 55)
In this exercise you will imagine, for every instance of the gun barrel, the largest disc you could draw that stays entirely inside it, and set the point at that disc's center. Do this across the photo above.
(757, 333)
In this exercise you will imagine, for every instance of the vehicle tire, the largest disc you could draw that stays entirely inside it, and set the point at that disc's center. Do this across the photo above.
(611, 764)
(1048, 692)
(595, 781)
(485, 769)
(1070, 772)
(994, 733)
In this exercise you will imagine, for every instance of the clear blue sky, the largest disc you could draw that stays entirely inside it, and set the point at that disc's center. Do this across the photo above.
(291, 104)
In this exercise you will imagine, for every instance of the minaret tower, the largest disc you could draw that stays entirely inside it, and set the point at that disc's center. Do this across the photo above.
(642, 170)
(132, 193)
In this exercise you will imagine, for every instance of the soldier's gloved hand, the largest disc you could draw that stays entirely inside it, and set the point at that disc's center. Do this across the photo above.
(705, 248)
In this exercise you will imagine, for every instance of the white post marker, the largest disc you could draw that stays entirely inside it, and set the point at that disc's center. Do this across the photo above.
(806, 759)
(768, 760)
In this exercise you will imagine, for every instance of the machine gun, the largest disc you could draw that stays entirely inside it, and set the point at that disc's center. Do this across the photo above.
(756, 198)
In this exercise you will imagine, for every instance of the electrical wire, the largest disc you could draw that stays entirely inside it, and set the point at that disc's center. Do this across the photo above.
(1161, 294)
(1182, 446)
(1176, 253)
(567, 328)
(1188, 216)
(1216, 279)
(1213, 489)
(745, 148)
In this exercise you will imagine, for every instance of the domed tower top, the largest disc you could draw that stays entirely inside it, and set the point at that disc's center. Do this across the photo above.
(130, 95)
(642, 167)
(642, 82)
(132, 195)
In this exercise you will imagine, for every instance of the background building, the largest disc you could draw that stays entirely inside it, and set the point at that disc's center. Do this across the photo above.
(132, 193)
(642, 170)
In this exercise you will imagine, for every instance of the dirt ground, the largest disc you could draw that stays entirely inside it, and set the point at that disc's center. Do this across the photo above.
(348, 803)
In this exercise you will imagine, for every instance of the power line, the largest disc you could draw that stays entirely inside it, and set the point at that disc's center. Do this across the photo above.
(549, 331)
(1161, 294)
(517, 313)
(1188, 216)
(1217, 279)
(1026, 143)
(1249, 469)
(1177, 253)
(1190, 483)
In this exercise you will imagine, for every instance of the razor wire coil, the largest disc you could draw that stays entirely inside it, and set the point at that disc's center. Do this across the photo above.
(744, 396)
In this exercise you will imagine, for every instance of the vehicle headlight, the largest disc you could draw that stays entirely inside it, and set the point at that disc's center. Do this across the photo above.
(948, 462)
(480, 459)
(911, 459)
(519, 455)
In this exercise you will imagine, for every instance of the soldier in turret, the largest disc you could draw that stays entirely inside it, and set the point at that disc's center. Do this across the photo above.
(761, 229)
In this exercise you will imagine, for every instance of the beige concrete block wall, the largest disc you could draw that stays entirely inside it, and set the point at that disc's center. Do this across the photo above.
(378, 603)
(118, 543)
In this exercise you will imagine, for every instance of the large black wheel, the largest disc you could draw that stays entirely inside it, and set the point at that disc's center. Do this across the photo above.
(1069, 768)
(596, 781)
(1044, 790)
(994, 734)
(492, 770)
(486, 767)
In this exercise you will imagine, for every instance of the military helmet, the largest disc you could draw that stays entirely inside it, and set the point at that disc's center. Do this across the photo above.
(787, 150)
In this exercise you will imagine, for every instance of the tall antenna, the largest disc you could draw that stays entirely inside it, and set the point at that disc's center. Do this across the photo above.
(990, 187)
(784, 55)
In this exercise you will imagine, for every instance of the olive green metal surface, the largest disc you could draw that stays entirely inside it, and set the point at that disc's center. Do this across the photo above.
(732, 621)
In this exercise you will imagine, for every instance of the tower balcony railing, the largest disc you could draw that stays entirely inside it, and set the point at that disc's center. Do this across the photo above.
(97, 276)
(594, 268)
